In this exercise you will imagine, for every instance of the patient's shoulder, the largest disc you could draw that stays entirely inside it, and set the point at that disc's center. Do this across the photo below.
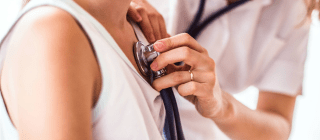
(46, 15)
(48, 29)
(50, 67)
(49, 36)
(47, 22)
(49, 53)
(50, 32)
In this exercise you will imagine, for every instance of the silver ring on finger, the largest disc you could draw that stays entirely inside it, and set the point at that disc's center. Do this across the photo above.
(191, 75)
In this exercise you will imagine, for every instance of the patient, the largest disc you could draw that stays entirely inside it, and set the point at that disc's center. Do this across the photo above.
(68, 73)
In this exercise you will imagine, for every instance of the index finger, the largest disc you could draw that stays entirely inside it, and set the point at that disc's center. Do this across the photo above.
(177, 41)
(133, 13)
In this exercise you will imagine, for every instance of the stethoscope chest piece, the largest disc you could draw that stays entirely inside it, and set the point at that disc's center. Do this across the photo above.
(144, 56)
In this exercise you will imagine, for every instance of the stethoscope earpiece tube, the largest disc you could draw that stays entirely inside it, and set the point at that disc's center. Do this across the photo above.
(197, 17)
(195, 28)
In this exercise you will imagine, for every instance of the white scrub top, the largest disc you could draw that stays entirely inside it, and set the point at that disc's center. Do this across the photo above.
(128, 107)
(261, 43)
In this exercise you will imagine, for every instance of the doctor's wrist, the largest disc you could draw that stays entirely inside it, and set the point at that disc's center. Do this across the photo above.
(227, 110)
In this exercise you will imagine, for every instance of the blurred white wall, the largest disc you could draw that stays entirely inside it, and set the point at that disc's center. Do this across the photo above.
(306, 123)
(8, 12)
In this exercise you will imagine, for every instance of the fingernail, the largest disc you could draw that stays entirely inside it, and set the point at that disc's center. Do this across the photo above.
(154, 65)
(159, 46)
(139, 18)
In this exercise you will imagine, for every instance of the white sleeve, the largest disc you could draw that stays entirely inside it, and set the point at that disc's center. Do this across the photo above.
(285, 74)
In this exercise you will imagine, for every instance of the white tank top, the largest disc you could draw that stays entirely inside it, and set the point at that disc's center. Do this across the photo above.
(128, 107)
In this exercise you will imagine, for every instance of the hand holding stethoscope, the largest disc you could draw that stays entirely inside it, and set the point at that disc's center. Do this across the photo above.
(199, 85)
(196, 80)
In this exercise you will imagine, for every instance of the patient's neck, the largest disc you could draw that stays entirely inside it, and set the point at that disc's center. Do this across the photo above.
(110, 13)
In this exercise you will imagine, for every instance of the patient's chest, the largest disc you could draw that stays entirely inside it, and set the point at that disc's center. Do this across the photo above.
(128, 107)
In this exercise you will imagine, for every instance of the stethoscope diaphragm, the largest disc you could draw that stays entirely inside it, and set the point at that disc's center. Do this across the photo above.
(144, 56)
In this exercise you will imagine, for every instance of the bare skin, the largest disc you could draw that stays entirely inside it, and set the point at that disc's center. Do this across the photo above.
(51, 79)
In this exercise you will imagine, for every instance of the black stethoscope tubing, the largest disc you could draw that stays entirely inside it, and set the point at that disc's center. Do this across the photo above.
(195, 28)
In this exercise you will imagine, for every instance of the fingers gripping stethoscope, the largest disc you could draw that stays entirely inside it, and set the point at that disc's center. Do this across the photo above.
(144, 56)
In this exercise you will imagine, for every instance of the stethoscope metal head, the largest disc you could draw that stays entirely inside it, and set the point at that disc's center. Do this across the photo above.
(144, 56)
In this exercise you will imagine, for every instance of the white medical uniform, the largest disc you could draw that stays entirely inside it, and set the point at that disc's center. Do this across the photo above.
(128, 107)
(260, 43)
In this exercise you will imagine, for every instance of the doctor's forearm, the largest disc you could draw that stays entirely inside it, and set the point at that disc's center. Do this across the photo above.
(242, 123)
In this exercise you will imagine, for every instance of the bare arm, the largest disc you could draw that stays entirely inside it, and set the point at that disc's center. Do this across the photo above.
(271, 121)
(53, 70)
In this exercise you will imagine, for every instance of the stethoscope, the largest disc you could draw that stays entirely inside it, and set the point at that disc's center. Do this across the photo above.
(195, 28)
(144, 56)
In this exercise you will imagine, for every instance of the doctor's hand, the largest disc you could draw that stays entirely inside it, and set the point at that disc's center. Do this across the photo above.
(149, 19)
(202, 89)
